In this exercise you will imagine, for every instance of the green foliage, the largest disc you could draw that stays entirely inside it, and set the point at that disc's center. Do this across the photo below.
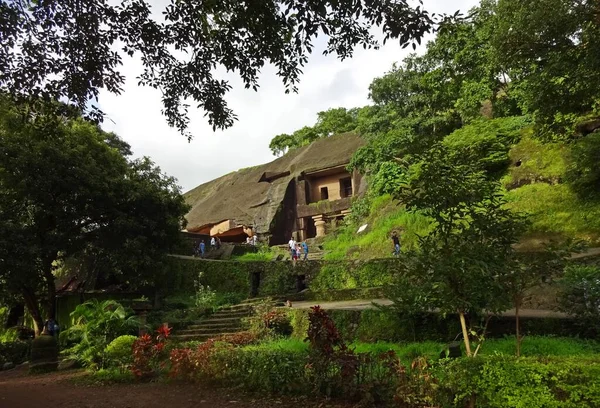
(535, 162)
(580, 295)
(583, 173)
(204, 297)
(502, 381)
(269, 321)
(550, 48)
(14, 352)
(284, 38)
(555, 209)
(385, 216)
(329, 122)
(106, 376)
(96, 325)
(71, 190)
(118, 353)
(487, 142)
(541, 346)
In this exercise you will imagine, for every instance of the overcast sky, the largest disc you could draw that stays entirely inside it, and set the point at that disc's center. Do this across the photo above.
(135, 115)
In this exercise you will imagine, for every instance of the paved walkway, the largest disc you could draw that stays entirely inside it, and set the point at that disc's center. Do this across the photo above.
(361, 304)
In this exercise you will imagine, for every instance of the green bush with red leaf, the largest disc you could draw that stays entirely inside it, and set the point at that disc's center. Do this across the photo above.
(149, 354)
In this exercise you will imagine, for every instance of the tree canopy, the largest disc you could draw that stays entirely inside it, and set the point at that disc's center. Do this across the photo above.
(68, 49)
(68, 189)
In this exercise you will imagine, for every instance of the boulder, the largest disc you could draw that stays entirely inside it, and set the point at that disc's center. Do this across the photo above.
(44, 354)
(8, 366)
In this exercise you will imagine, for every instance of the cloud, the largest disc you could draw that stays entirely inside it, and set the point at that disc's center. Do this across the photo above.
(135, 115)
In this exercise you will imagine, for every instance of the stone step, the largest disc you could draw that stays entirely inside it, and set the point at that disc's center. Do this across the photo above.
(219, 320)
(209, 330)
(232, 323)
(227, 314)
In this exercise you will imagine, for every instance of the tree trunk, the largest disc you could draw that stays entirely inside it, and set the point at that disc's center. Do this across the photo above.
(34, 309)
(517, 326)
(463, 325)
(50, 289)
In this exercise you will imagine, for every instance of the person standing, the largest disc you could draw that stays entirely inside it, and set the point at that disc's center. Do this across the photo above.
(305, 250)
(213, 243)
(396, 241)
(292, 244)
(202, 248)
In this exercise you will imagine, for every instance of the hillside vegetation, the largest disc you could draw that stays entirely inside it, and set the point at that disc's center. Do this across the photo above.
(510, 94)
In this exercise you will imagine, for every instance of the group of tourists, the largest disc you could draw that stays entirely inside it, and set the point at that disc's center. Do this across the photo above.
(215, 243)
(253, 240)
(296, 249)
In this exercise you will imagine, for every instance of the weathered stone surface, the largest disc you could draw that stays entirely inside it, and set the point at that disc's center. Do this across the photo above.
(44, 354)
(68, 364)
(588, 126)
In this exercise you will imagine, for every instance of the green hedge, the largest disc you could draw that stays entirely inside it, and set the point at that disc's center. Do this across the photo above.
(372, 325)
(278, 277)
(14, 352)
(504, 382)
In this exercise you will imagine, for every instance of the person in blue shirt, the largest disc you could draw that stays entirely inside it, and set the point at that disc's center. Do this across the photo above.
(202, 248)
(305, 250)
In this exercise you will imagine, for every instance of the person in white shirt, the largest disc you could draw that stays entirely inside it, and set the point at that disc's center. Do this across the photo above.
(213, 243)
(292, 244)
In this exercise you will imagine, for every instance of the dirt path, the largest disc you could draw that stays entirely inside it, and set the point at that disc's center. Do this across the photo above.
(361, 304)
(58, 390)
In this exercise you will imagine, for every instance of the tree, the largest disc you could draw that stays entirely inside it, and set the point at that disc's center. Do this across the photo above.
(528, 270)
(329, 122)
(551, 51)
(68, 189)
(459, 265)
(69, 49)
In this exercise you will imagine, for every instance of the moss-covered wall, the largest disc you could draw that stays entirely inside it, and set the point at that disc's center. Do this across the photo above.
(372, 325)
(276, 277)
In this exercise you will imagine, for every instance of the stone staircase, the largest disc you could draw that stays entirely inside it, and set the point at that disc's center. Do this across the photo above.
(226, 320)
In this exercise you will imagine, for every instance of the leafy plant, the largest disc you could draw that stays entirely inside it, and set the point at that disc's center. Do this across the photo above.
(96, 325)
(580, 295)
(149, 354)
(119, 353)
(204, 296)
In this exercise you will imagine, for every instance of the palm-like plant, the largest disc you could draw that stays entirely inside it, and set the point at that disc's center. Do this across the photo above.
(96, 324)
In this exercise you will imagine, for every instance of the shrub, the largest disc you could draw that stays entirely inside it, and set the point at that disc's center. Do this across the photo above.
(119, 352)
(269, 321)
(580, 295)
(14, 352)
(149, 354)
(96, 325)
(112, 376)
(505, 382)
(238, 339)
(204, 297)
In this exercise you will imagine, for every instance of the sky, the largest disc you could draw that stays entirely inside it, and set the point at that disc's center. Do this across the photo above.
(327, 82)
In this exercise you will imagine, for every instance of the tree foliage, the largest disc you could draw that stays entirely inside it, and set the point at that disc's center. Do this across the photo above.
(68, 190)
(329, 122)
(69, 50)
(459, 264)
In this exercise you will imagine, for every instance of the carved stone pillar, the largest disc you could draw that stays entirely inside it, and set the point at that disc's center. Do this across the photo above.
(319, 225)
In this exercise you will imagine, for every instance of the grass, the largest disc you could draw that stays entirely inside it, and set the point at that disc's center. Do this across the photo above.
(556, 209)
(385, 216)
(535, 346)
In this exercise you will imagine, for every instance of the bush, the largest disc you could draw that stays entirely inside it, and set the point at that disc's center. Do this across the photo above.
(149, 354)
(14, 352)
(580, 295)
(506, 382)
(269, 321)
(96, 325)
(112, 376)
(119, 353)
